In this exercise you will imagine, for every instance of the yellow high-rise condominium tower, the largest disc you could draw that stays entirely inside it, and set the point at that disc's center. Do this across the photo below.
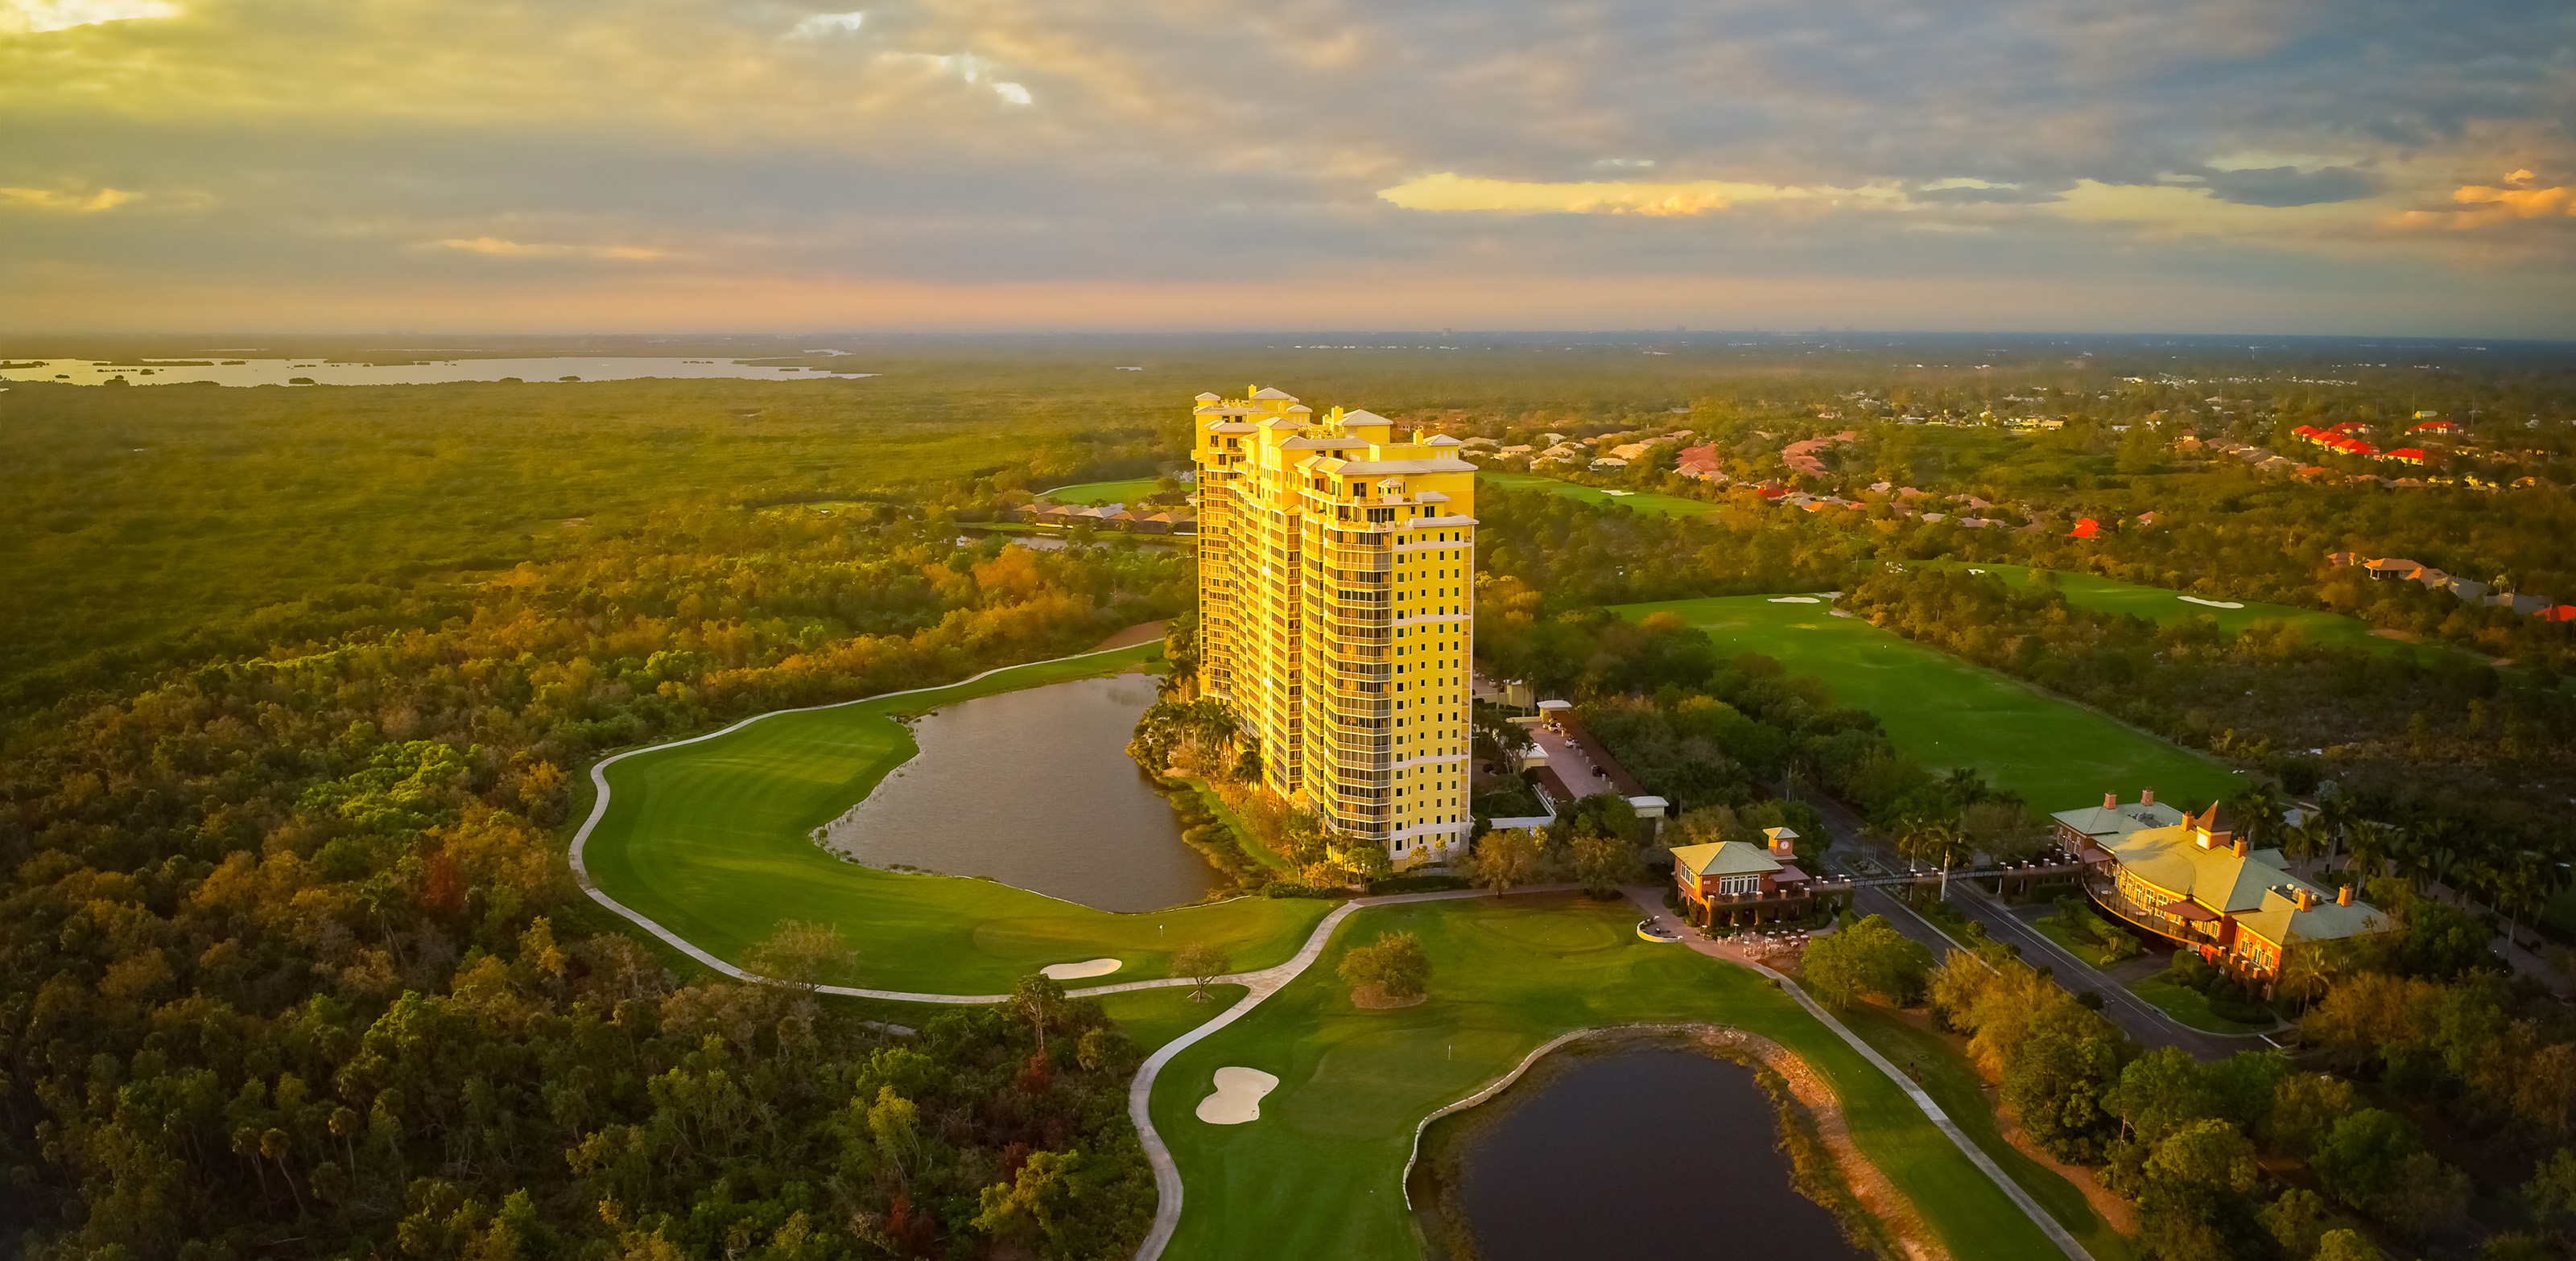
(1336, 612)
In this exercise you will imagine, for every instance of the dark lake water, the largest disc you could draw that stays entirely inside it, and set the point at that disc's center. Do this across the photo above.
(1035, 789)
(1643, 1153)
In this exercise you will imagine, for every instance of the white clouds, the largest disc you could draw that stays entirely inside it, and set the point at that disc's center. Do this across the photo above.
(61, 199)
(826, 25)
(1189, 140)
(37, 16)
(538, 249)
(968, 68)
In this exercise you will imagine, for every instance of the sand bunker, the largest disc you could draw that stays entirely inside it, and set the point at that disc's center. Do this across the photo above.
(1794, 599)
(2215, 604)
(1238, 1096)
(1077, 971)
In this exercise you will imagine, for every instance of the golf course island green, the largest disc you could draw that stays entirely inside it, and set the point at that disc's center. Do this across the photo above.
(1944, 712)
(711, 840)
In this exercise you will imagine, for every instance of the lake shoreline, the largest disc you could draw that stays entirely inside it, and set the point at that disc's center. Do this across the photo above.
(1825, 1165)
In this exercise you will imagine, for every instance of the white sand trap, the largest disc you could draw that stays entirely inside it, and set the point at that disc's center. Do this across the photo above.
(2215, 604)
(1077, 971)
(1238, 1096)
(1795, 599)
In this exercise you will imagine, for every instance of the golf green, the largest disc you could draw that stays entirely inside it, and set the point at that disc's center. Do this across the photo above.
(2167, 607)
(1944, 712)
(1666, 505)
(1120, 492)
(709, 839)
(1319, 1173)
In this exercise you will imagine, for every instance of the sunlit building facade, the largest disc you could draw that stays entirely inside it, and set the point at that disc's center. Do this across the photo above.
(1336, 612)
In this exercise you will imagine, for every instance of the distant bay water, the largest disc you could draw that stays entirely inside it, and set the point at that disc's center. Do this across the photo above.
(222, 369)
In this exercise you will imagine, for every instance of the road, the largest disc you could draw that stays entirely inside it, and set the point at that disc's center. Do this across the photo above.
(2137, 1017)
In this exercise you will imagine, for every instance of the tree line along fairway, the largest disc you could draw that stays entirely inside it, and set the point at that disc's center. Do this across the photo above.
(1944, 712)
(2166, 607)
(1319, 1173)
(710, 840)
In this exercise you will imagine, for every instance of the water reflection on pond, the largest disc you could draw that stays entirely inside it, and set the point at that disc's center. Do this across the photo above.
(1035, 789)
(1646, 1152)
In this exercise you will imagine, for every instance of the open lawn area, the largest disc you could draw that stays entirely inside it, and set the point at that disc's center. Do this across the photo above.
(1667, 505)
(2168, 607)
(710, 840)
(1944, 712)
(1120, 492)
(2189, 1006)
(1318, 1174)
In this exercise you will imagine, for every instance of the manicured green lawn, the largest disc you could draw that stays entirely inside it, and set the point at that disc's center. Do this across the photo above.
(1666, 505)
(710, 840)
(1120, 492)
(1318, 1174)
(2168, 607)
(2189, 1006)
(2092, 954)
(1945, 712)
(1244, 839)
(1154, 1017)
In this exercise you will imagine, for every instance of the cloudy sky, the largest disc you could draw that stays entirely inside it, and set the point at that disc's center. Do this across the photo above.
(2368, 166)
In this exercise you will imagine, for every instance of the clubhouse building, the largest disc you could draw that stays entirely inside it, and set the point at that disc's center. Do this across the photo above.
(2189, 879)
(1739, 882)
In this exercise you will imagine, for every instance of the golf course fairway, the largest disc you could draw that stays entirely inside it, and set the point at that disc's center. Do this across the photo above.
(709, 839)
(1319, 1173)
(1944, 712)
(1642, 501)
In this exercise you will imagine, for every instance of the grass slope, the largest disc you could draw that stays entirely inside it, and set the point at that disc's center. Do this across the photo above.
(1318, 1174)
(2166, 607)
(1664, 505)
(1944, 712)
(1953, 1083)
(709, 839)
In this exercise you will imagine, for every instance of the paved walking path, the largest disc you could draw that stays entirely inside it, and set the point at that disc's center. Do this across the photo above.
(1652, 900)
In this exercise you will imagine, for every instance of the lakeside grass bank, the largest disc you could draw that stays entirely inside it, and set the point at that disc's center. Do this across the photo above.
(711, 840)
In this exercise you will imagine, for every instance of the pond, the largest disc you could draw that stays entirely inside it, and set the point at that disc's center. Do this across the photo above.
(1644, 1151)
(1034, 788)
(220, 369)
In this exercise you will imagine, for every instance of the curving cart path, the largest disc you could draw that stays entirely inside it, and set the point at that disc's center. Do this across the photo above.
(1261, 985)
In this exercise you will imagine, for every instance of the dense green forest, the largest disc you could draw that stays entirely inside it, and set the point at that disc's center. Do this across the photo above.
(293, 966)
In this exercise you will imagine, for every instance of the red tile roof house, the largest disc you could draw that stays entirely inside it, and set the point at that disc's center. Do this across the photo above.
(2087, 528)
(1738, 883)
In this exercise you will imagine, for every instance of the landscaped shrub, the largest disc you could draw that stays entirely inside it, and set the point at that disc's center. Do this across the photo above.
(1417, 884)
